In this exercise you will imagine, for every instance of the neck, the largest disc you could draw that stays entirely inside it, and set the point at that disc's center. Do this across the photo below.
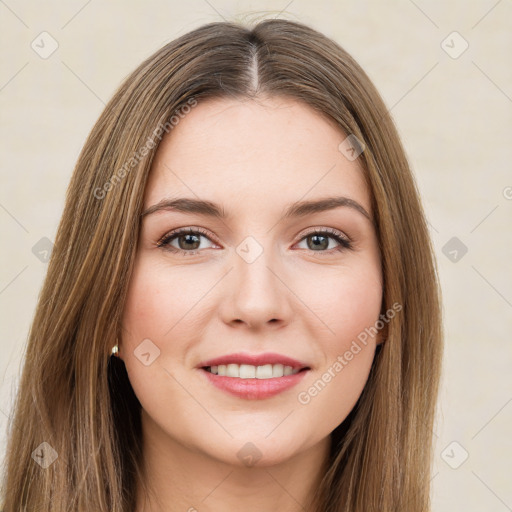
(178, 478)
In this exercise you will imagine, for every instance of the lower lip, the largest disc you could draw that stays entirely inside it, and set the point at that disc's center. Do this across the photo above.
(254, 389)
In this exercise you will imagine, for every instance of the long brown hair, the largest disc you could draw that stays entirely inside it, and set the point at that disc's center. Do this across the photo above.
(79, 401)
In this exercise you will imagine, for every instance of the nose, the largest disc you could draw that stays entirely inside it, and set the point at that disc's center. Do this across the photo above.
(257, 292)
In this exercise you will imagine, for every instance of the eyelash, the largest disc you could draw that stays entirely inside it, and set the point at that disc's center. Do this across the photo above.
(164, 242)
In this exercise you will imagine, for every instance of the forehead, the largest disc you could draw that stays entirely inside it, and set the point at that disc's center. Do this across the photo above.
(254, 154)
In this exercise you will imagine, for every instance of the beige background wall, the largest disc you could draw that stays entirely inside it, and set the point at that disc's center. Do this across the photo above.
(453, 108)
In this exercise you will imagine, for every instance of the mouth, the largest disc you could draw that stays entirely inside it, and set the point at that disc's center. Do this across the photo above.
(253, 377)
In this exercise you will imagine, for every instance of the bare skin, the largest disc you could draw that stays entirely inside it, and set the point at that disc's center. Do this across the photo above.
(299, 299)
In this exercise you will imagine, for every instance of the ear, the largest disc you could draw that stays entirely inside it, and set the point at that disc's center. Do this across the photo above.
(115, 350)
(380, 339)
(382, 334)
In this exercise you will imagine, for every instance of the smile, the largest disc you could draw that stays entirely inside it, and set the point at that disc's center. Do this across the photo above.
(253, 376)
(249, 371)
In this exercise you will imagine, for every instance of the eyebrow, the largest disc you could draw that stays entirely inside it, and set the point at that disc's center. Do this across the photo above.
(297, 209)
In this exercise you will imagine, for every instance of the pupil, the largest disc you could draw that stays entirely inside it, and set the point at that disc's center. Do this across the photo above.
(316, 243)
(188, 237)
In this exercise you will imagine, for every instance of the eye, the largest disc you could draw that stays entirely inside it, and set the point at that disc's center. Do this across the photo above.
(188, 240)
(318, 241)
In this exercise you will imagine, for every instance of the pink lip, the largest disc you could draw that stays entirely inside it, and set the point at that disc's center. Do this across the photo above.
(254, 389)
(254, 360)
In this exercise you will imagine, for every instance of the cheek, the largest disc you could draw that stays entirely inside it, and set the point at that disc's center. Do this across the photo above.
(345, 301)
(157, 299)
(152, 309)
(348, 306)
(356, 305)
(167, 307)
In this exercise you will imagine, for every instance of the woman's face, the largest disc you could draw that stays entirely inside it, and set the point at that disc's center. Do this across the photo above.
(252, 284)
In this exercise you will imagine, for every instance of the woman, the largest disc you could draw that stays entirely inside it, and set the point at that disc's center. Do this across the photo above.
(290, 357)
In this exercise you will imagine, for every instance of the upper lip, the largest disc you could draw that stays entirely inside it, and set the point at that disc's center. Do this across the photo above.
(254, 360)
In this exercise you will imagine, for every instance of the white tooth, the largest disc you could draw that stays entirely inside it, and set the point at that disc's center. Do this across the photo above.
(264, 372)
(247, 371)
(277, 370)
(232, 370)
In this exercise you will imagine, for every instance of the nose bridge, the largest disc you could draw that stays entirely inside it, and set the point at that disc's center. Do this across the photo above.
(258, 294)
